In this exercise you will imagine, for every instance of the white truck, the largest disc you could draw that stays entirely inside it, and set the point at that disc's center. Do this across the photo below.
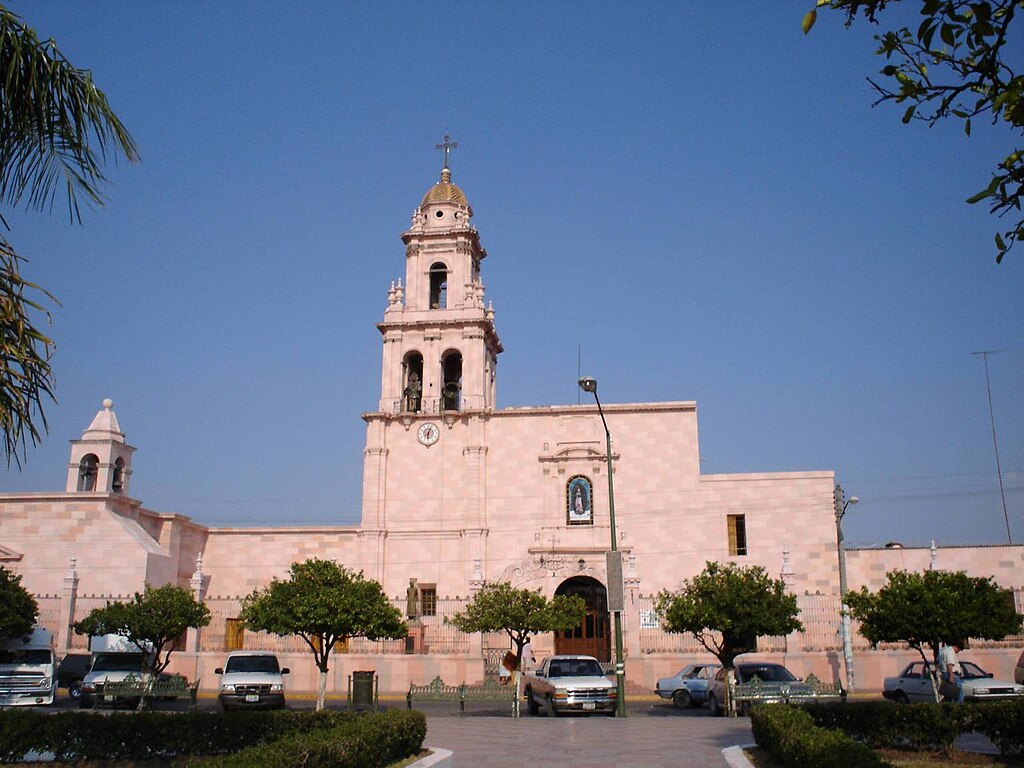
(28, 670)
(569, 684)
(114, 659)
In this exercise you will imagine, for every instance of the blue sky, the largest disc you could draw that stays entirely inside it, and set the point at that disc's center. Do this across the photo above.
(703, 202)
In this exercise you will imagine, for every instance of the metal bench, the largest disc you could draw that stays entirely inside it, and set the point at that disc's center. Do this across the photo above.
(438, 690)
(145, 690)
(757, 691)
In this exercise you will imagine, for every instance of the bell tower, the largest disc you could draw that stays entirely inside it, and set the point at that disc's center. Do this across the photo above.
(440, 347)
(101, 461)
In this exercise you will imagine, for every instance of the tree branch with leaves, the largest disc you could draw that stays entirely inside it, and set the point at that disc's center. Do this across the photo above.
(324, 603)
(153, 620)
(955, 64)
(18, 609)
(519, 613)
(927, 609)
(726, 607)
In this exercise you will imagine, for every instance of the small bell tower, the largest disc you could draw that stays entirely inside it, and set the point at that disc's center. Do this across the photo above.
(101, 462)
(440, 346)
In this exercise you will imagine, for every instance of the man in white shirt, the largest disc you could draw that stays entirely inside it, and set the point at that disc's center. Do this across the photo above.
(949, 668)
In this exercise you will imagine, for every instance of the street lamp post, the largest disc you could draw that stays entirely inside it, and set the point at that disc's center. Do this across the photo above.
(841, 503)
(588, 384)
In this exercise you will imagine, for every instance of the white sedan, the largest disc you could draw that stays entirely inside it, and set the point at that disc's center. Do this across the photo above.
(914, 683)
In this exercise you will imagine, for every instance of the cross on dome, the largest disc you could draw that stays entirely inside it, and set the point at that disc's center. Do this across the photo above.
(447, 146)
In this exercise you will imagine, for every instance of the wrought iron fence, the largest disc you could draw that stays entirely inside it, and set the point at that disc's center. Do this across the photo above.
(84, 605)
(49, 613)
(820, 615)
(440, 637)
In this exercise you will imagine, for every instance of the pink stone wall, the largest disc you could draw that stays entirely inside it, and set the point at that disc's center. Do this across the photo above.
(114, 554)
(1004, 562)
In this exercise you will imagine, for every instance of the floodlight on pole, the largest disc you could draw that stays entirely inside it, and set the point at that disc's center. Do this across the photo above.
(589, 384)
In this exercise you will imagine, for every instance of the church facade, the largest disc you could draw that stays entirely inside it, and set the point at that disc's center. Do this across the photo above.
(458, 492)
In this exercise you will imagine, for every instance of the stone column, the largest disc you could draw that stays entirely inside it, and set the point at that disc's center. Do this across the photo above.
(67, 607)
(631, 616)
(476, 639)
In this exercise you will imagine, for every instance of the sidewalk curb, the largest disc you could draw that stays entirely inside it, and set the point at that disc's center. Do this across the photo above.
(733, 757)
(438, 758)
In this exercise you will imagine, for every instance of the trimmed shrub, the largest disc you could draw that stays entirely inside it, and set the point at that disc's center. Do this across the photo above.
(371, 742)
(142, 735)
(1002, 722)
(792, 737)
(921, 725)
(924, 725)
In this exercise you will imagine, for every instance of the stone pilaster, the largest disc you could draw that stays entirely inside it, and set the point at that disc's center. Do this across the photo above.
(194, 634)
(67, 606)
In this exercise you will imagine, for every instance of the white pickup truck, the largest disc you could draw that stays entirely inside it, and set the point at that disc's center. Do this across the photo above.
(569, 684)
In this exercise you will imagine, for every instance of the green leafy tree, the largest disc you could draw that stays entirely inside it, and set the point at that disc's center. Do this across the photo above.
(519, 613)
(323, 603)
(56, 134)
(152, 620)
(933, 607)
(726, 607)
(18, 609)
(957, 63)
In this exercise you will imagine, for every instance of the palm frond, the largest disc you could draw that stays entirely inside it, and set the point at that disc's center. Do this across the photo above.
(57, 130)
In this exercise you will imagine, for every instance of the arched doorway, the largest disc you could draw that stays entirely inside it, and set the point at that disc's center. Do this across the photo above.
(592, 637)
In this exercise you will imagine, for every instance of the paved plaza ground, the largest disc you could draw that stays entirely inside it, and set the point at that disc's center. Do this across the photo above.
(648, 738)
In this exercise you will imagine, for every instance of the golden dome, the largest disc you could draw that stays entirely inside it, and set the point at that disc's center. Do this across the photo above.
(445, 192)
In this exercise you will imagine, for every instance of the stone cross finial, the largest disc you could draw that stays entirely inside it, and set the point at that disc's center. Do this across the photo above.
(447, 148)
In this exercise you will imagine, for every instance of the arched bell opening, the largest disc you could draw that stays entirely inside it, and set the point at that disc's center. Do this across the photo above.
(451, 390)
(412, 386)
(117, 485)
(593, 636)
(438, 286)
(88, 470)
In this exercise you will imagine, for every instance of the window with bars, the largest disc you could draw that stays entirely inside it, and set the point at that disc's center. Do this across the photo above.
(737, 534)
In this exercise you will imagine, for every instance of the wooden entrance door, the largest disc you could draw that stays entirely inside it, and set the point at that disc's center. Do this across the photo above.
(592, 637)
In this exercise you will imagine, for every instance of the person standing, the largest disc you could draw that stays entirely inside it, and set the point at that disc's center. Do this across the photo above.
(949, 668)
(529, 660)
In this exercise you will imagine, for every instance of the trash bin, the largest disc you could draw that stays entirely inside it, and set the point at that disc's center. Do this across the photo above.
(362, 689)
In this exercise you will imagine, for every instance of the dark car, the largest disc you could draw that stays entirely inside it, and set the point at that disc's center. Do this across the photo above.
(767, 683)
(71, 671)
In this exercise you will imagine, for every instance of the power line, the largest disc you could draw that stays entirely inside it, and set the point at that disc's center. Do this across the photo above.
(991, 415)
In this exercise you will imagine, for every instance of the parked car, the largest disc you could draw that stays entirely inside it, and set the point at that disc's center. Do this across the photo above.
(251, 680)
(689, 686)
(766, 683)
(569, 683)
(914, 683)
(1018, 673)
(72, 671)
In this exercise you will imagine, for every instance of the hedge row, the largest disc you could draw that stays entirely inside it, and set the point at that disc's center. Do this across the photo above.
(791, 736)
(925, 725)
(145, 735)
(372, 742)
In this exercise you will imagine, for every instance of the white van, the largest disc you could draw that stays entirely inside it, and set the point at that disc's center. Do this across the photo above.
(28, 670)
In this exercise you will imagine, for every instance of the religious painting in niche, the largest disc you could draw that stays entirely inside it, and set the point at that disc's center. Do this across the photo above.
(578, 494)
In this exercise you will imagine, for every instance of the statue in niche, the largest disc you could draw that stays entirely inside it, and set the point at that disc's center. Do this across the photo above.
(413, 393)
(412, 596)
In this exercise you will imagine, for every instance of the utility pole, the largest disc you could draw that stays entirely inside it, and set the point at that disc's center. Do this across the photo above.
(991, 416)
(841, 503)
